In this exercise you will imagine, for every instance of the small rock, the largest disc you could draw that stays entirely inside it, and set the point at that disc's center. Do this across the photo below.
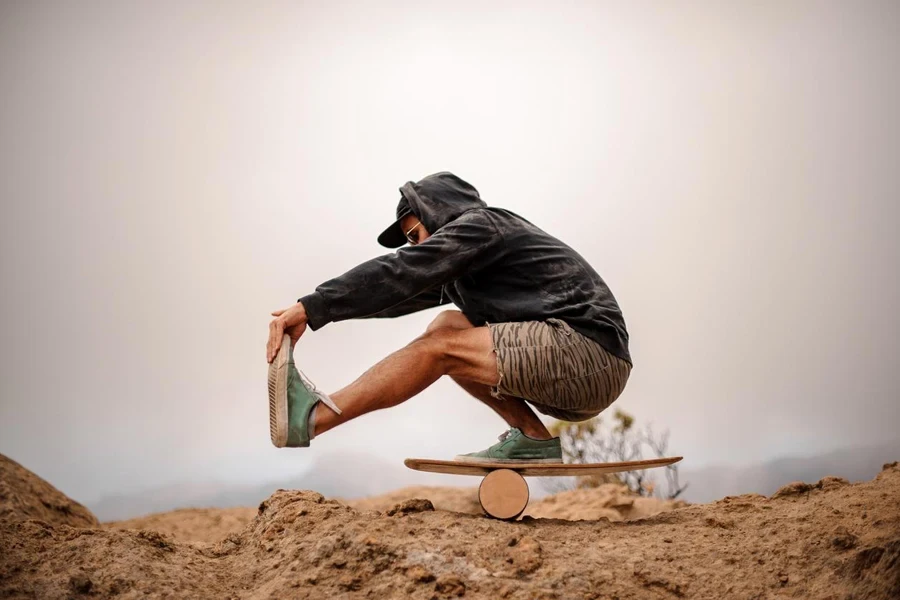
(410, 506)
(450, 585)
(721, 523)
(830, 483)
(419, 574)
(81, 583)
(793, 489)
(525, 556)
(843, 539)
(350, 583)
(156, 539)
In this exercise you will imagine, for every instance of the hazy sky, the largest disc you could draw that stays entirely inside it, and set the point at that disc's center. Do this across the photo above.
(171, 172)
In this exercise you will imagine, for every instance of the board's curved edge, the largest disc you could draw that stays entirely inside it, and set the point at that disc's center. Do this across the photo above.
(535, 470)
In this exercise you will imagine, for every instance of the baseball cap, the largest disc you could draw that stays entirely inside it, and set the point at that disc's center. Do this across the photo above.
(394, 236)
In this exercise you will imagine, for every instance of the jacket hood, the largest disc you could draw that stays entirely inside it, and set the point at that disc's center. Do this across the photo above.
(440, 198)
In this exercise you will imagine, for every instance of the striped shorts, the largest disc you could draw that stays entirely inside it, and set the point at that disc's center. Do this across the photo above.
(560, 372)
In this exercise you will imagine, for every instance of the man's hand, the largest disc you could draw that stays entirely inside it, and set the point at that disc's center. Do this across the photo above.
(291, 321)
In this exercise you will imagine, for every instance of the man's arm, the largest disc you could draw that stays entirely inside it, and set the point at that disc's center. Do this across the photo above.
(424, 301)
(380, 286)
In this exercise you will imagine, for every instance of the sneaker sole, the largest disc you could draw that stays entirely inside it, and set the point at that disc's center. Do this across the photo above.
(508, 461)
(278, 402)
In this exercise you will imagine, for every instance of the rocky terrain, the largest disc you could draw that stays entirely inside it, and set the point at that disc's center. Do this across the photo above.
(829, 540)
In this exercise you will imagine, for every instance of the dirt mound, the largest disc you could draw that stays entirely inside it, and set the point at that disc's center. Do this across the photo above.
(827, 540)
(192, 524)
(453, 499)
(610, 501)
(24, 495)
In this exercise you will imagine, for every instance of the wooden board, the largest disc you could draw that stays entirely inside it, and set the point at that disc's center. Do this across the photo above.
(454, 467)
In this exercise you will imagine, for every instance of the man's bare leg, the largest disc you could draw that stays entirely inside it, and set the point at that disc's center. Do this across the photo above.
(469, 359)
(513, 410)
(444, 351)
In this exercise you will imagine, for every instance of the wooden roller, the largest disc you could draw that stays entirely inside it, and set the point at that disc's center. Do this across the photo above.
(503, 494)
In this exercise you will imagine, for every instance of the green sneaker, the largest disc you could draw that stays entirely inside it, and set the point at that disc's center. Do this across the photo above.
(516, 447)
(291, 398)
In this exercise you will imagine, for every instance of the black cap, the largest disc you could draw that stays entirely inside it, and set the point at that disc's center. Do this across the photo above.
(394, 236)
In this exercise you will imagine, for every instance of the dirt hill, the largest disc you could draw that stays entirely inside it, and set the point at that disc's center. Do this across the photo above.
(192, 524)
(611, 502)
(830, 539)
(24, 495)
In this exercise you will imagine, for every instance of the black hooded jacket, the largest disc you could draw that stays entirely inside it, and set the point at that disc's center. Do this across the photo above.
(491, 263)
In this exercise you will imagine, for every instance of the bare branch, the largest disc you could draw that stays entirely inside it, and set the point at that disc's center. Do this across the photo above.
(619, 441)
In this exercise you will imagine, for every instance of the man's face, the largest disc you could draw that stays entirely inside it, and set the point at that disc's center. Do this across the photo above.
(414, 229)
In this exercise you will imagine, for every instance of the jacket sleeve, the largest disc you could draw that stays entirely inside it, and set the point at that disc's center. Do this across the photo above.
(390, 285)
(425, 300)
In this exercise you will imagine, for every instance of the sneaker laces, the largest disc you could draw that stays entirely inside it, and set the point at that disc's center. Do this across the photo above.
(322, 396)
(505, 434)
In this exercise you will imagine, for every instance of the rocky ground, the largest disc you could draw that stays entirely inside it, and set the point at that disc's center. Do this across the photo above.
(824, 540)
(612, 502)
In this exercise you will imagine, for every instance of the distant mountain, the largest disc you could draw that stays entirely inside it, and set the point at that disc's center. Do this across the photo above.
(183, 495)
(355, 475)
(339, 474)
(854, 464)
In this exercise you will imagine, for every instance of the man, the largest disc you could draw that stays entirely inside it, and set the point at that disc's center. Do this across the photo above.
(536, 324)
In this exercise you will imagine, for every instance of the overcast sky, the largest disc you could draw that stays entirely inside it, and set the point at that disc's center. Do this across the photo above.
(171, 172)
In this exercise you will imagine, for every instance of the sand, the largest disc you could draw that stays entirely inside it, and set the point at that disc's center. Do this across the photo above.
(828, 539)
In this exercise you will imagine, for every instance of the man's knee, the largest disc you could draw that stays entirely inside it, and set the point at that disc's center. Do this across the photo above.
(452, 319)
(462, 351)
(437, 342)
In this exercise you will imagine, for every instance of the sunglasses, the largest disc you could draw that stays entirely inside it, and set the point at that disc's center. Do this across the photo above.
(413, 240)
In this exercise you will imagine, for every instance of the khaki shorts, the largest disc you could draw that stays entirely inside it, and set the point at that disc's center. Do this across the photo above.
(560, 372)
